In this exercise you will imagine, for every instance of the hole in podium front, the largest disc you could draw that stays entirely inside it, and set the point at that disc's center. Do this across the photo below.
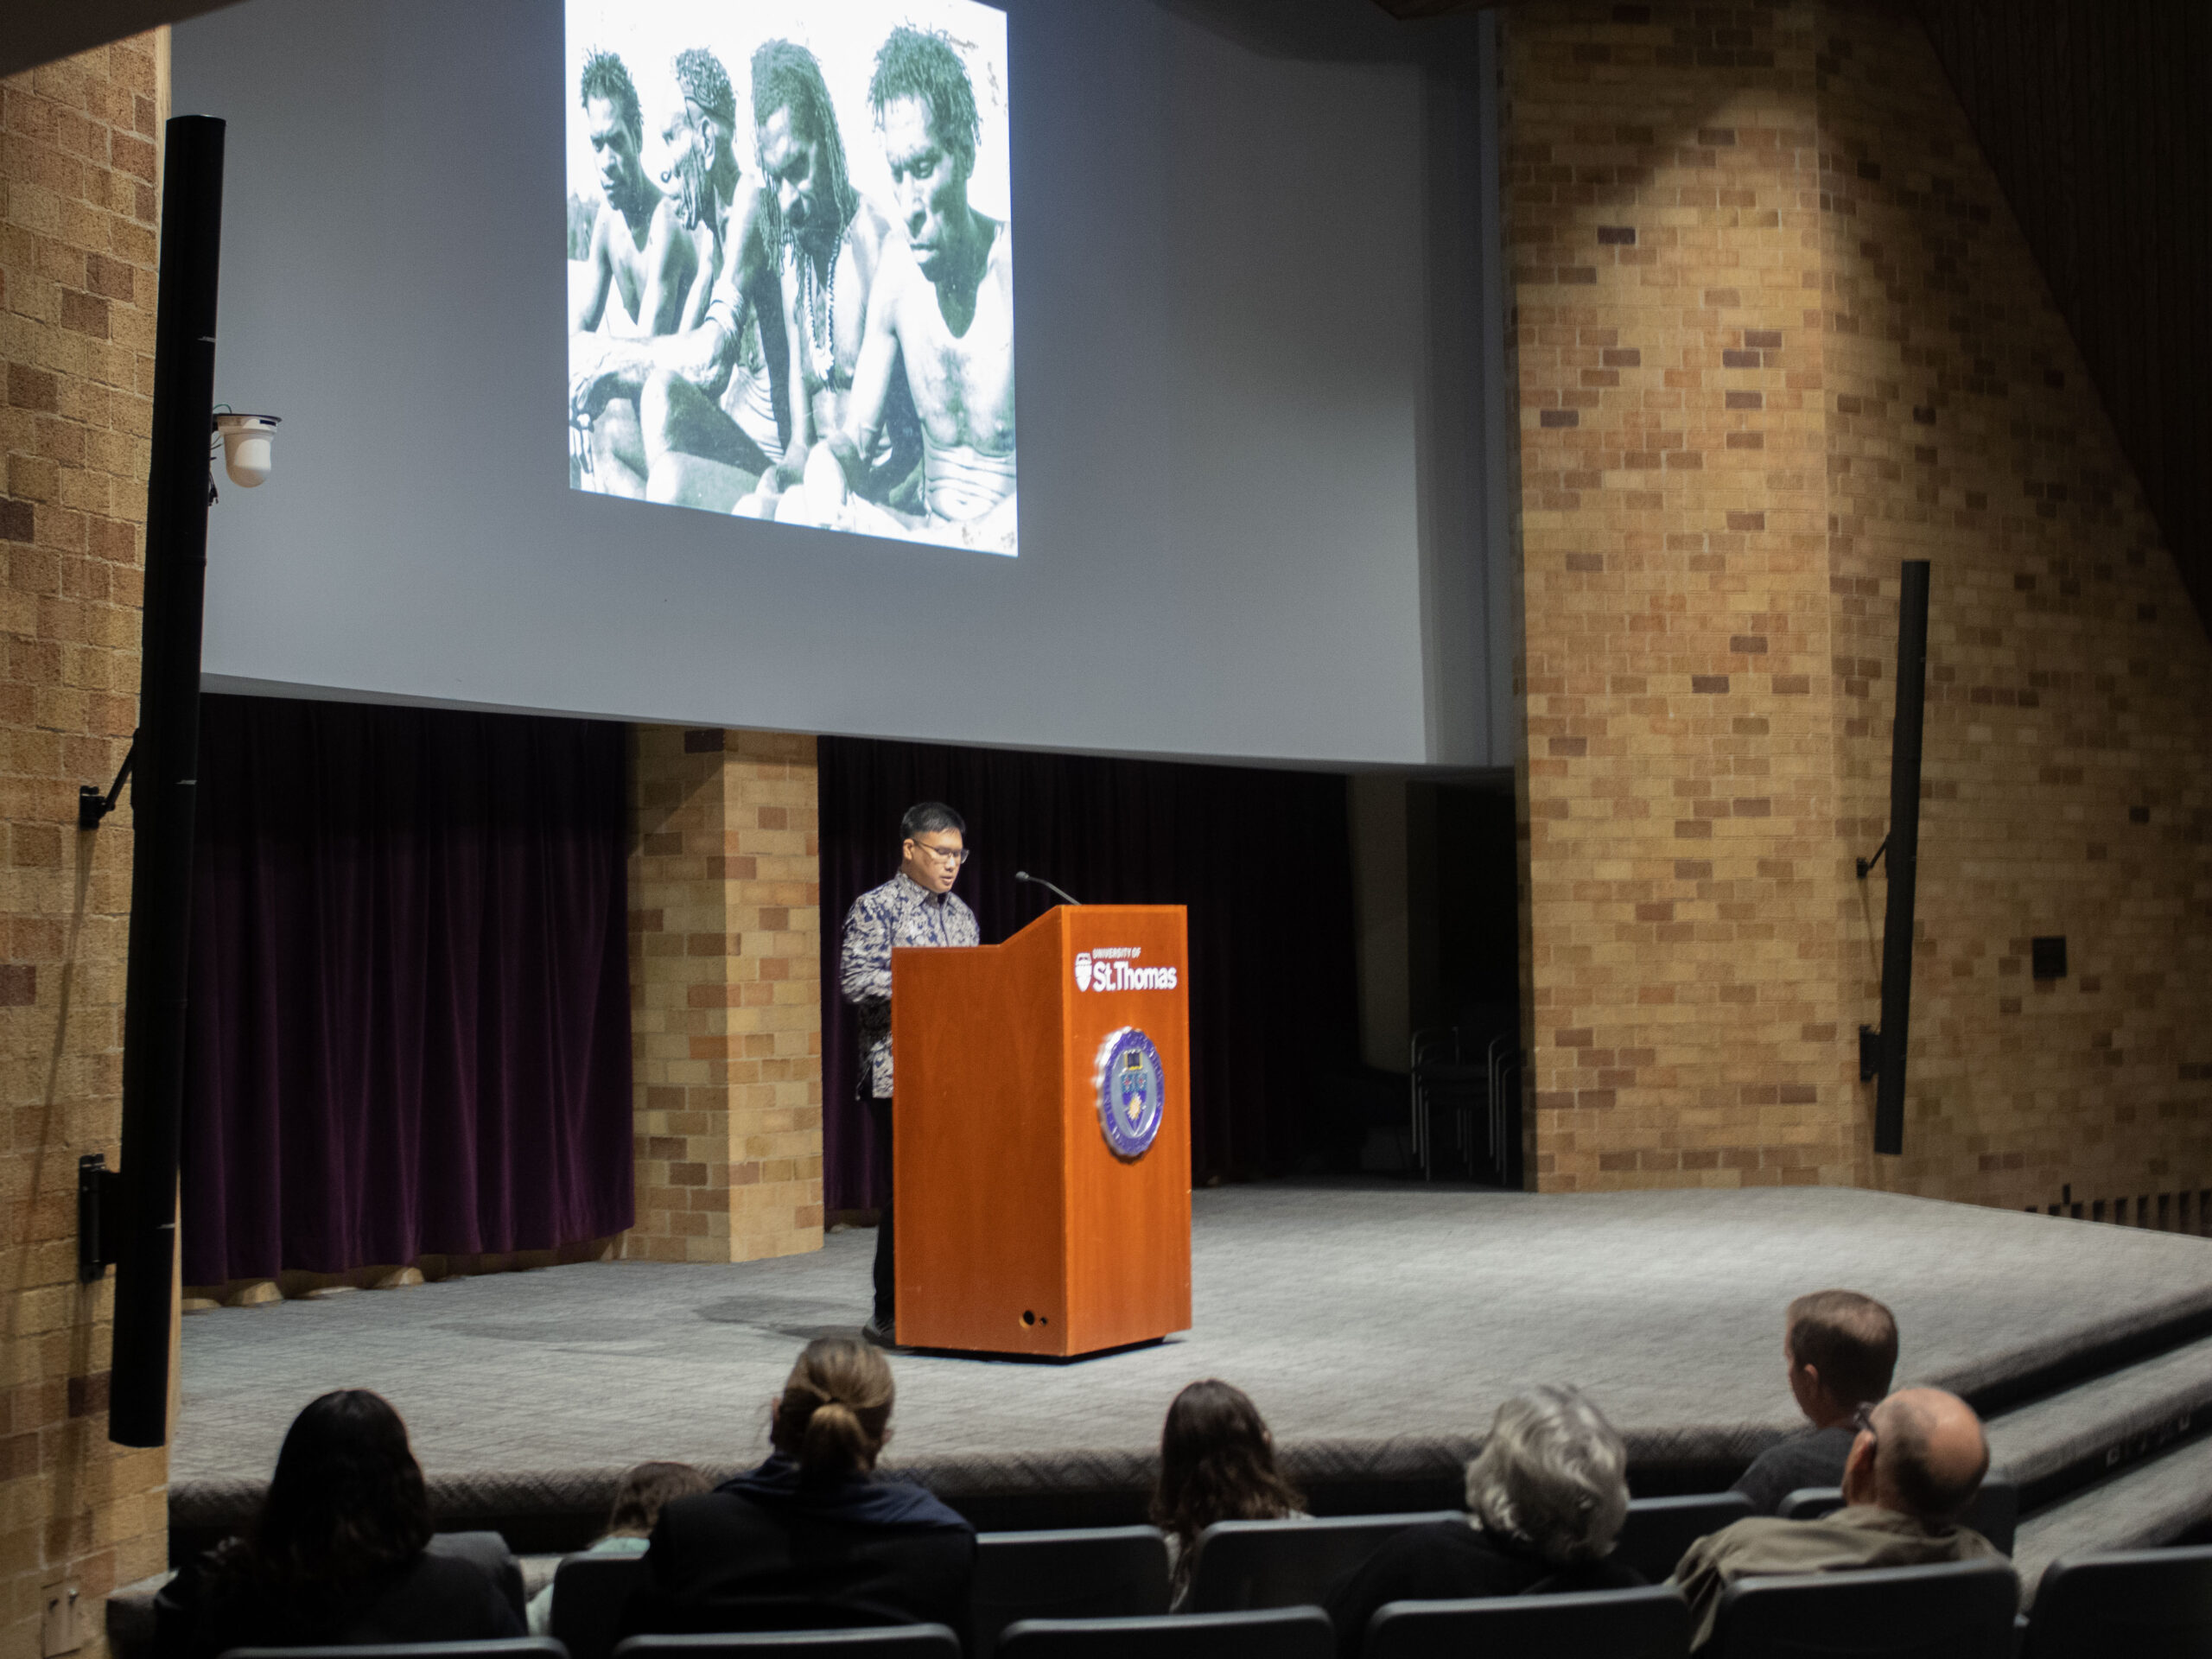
(1028, 1317)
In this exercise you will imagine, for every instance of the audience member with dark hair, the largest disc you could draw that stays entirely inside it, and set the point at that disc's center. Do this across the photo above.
(338, 1555)
(1546, 1496)
(1840, 1349)
(1217, 1463)
(639, 1496)
(813, 1538)
(1916, 1462)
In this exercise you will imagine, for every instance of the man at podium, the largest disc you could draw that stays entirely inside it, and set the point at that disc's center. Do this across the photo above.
(914, 907)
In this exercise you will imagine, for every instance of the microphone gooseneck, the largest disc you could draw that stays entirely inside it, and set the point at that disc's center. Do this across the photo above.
(1039, 881)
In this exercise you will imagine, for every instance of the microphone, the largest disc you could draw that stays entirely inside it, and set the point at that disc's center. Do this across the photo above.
(1038, 880)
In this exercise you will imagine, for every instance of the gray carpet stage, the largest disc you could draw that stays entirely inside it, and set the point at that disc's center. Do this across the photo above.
(1376, 1329)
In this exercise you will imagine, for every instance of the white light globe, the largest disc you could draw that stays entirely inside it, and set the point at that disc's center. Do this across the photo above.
(249, 442)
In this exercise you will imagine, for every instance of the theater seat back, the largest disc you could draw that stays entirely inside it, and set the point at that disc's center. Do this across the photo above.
(1268, 1633)
(1243, 1565)
(2144, 1604)
(1089, 1572)
(1956, 1609)
(589, 1593)
(1995, 1513)
(1649, 1624)
(1658, 1530)
(879, 1642)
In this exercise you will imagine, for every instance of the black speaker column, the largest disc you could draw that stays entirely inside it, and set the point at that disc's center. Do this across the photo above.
(162, 789)
(1902, 853)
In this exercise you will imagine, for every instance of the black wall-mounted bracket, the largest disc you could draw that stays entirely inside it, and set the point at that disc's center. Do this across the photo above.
(92, 805)
(1869, 1053)
(1866, 865)
(99, 1215)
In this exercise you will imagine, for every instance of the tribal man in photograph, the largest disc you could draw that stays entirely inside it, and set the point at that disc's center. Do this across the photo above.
(641, 256)
(945, 303)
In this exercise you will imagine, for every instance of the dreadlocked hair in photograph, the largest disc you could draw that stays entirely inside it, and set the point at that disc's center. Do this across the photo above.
(702, 80)
(785, 76)
(921, 63)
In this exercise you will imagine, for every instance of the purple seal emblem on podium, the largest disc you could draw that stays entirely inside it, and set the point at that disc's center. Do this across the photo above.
(1132, 1091)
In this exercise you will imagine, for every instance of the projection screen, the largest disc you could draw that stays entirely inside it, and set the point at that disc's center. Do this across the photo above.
(791, 263)
(1253, 332)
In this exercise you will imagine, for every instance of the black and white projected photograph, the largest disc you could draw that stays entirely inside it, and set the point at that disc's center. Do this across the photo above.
(791, 263)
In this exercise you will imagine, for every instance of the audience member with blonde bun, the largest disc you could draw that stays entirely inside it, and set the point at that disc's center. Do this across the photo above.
(814, 1538)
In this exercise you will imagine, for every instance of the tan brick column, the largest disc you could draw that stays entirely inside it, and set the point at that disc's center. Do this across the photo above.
(1664, 233)
(724, 989)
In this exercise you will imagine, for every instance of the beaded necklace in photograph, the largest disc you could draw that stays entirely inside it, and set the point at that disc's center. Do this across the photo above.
(818, 296)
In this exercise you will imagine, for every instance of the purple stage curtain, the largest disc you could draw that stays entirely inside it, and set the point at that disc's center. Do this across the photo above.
(1263, 859)
(410, 1018)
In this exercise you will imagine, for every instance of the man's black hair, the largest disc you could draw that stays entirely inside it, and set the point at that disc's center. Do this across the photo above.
(702, 80)
(921, 63)
(786, 76)
(605, 77)
(930, 818)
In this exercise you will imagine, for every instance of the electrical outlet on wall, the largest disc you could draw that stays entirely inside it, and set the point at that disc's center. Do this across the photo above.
(59, 1632)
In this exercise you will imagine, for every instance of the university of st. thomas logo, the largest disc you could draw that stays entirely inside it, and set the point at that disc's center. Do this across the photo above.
(1082, 970)
(1132, 1090)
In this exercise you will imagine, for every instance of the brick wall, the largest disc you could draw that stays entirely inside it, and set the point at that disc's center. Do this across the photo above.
(726, 995)
(2068, 776)
(1776, 332)
(77, 289)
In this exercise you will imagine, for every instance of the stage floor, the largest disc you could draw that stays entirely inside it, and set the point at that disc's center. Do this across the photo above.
(1376, 1327)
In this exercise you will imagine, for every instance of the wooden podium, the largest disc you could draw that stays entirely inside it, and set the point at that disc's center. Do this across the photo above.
(1021, 1229)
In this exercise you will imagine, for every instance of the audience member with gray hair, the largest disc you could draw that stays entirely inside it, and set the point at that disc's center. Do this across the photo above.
(1916, 1462)
(1545, 1498)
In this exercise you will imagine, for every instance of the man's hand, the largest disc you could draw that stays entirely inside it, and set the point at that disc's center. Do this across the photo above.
(593, 387)
(835, 471)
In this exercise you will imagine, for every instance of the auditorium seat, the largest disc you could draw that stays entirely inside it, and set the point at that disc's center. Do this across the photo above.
(1658, 1530)
(1094, 1573)
(589, 1594)
(1266, 1633)
(1995, 1513)
(1243, 1565)
(2146, 1604)
(1955, 1610)
(505, 1647)
(1649, 1623)
(880, 1642)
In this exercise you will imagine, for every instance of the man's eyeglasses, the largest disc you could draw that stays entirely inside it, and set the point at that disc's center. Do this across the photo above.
(955, 856)
(1863, 1421)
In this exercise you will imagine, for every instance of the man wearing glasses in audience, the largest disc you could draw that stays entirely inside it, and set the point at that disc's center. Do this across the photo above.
(914, 907)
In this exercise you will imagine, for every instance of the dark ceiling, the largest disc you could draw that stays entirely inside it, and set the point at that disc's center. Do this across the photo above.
(39, 31)
(2094, 115)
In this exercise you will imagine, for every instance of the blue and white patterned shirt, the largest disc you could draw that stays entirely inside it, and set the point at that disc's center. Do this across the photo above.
(899, 913)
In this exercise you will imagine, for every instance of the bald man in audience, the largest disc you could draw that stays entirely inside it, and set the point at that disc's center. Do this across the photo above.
(1839, 1349)
(1915, 1464)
